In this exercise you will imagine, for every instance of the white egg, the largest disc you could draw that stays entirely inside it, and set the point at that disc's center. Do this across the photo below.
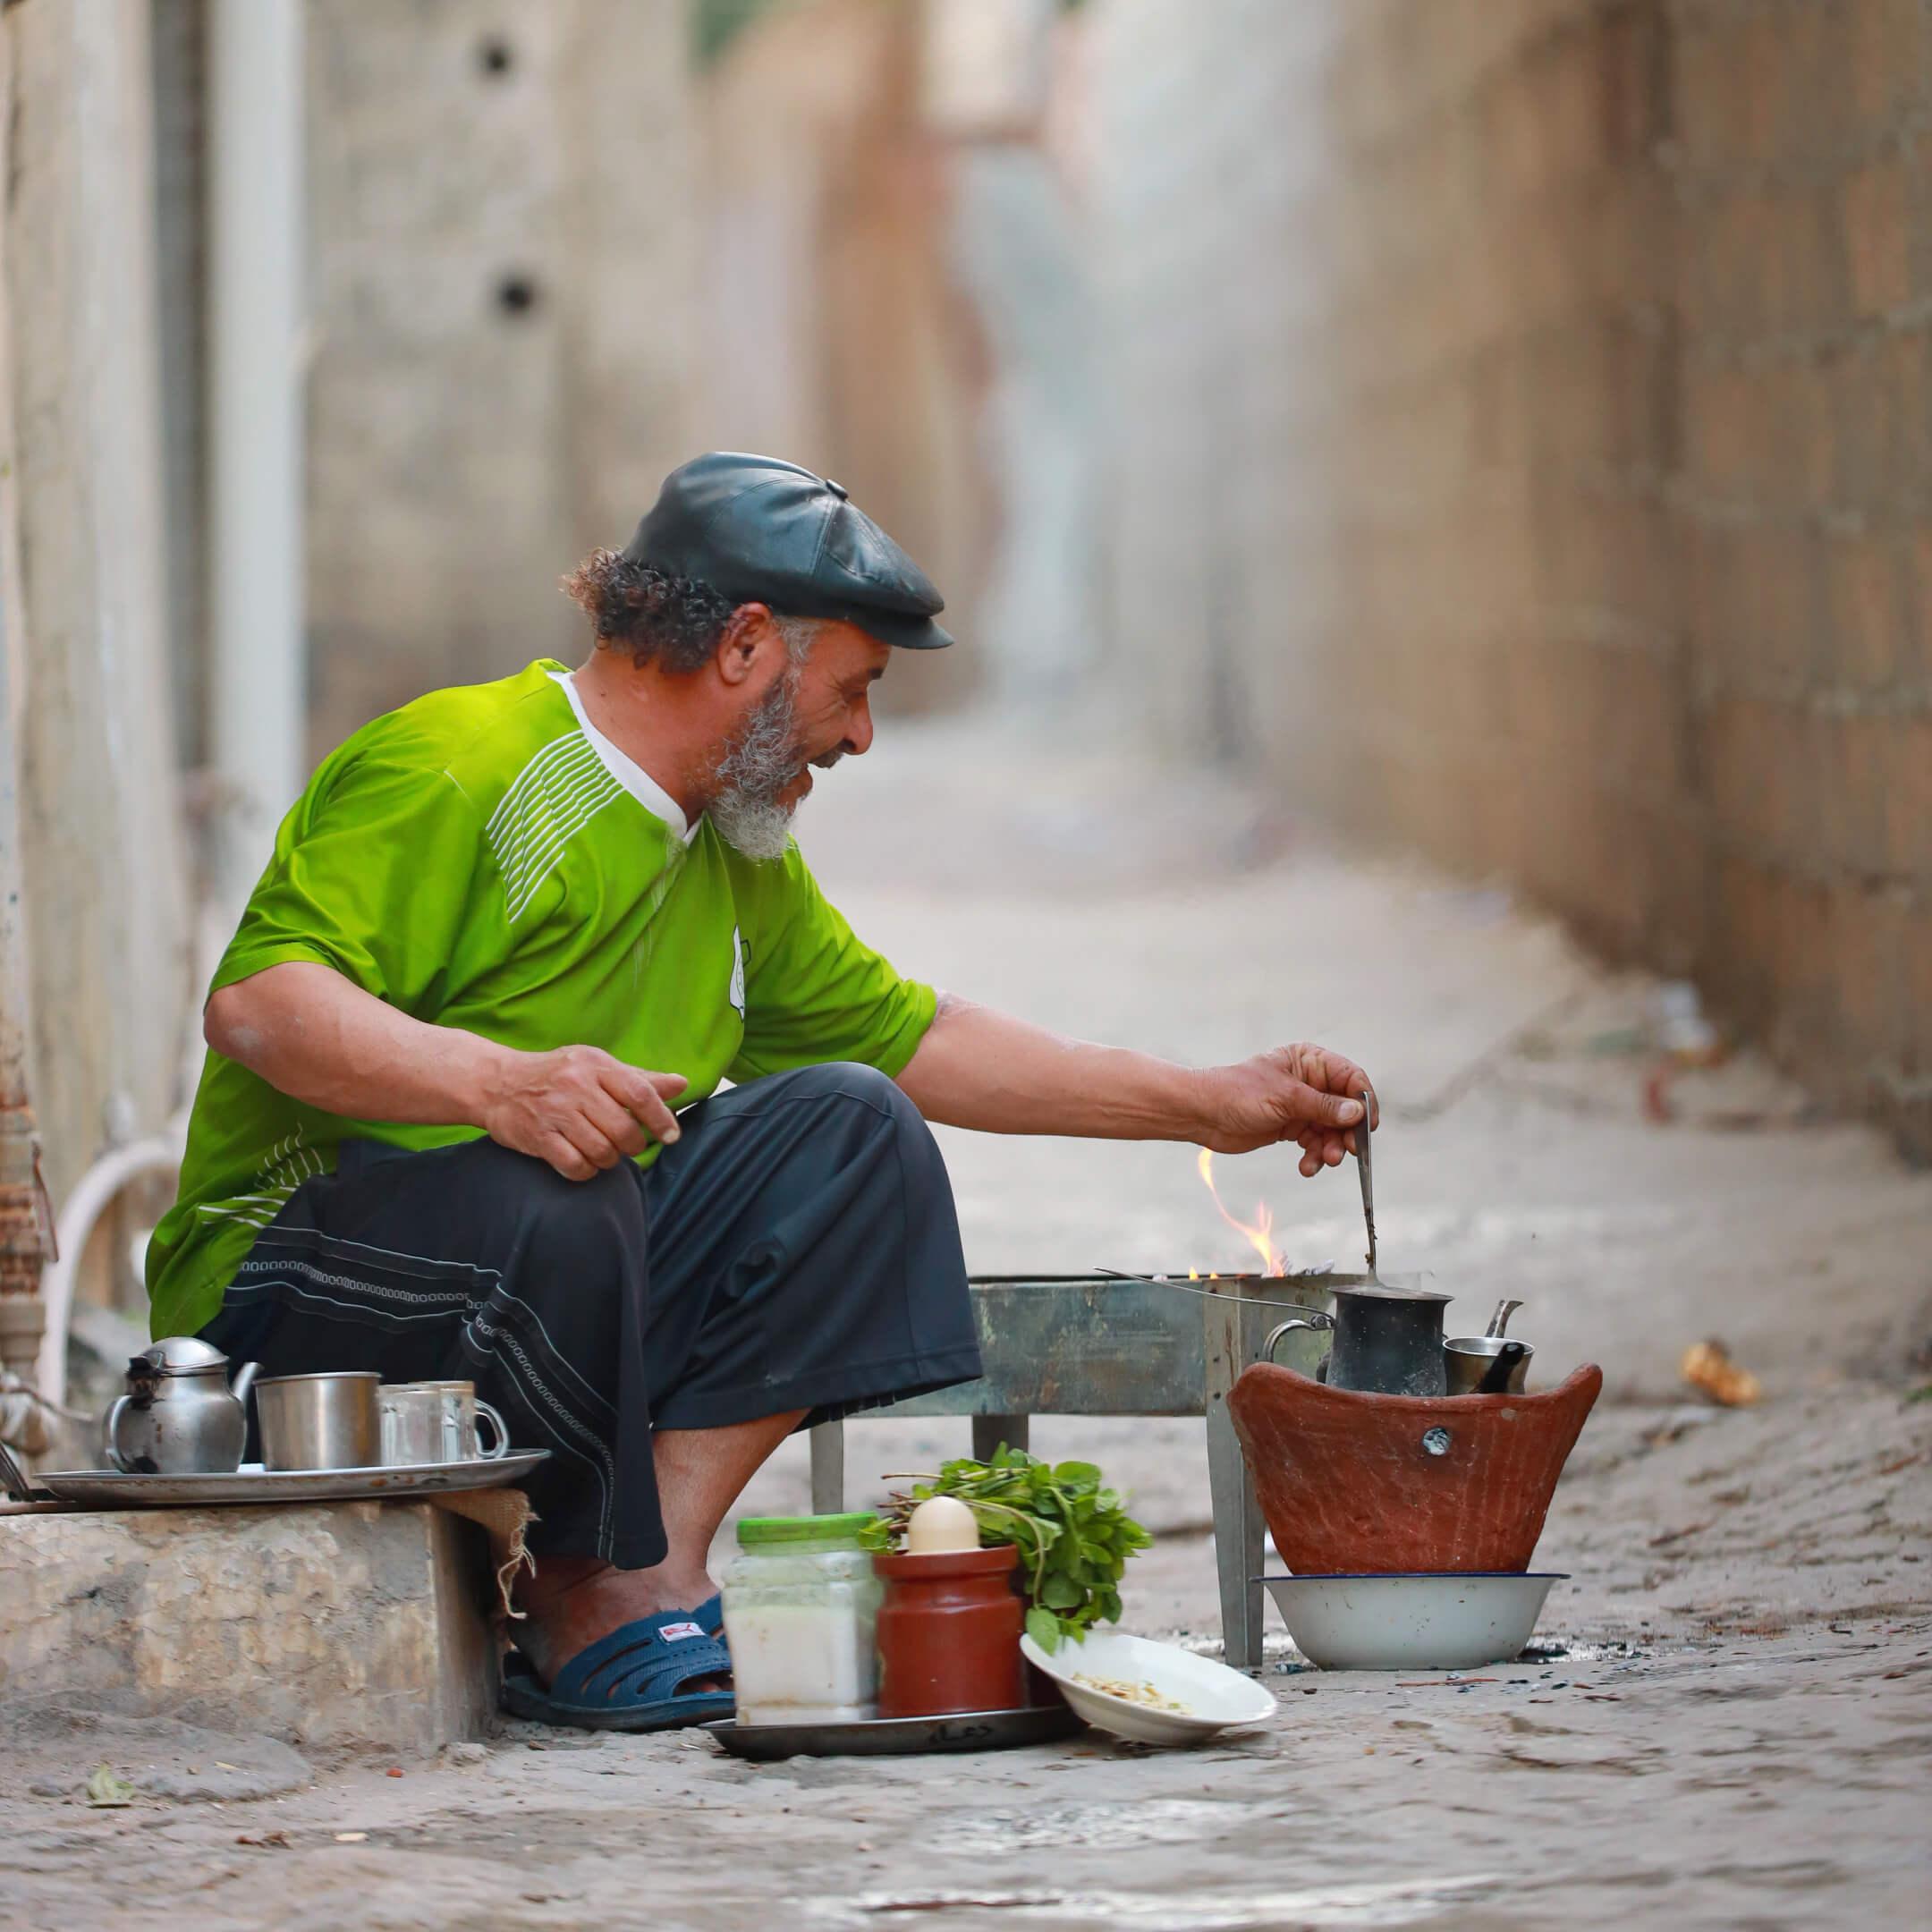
(939, 1524)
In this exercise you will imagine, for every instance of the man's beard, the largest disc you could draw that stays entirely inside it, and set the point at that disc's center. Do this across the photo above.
(757, 765)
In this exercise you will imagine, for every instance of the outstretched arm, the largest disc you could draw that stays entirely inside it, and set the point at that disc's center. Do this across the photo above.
(980, 1068)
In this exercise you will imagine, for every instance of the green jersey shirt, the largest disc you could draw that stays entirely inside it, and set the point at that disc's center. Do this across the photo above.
(486, 858)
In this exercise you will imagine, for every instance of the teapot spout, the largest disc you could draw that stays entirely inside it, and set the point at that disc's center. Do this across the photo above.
(245, 1381)
(1499, 1321)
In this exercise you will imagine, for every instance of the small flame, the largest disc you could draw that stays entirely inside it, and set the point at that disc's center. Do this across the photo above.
(1273, 1261)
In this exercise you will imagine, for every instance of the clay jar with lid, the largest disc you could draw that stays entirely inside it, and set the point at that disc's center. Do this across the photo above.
(949, 1634)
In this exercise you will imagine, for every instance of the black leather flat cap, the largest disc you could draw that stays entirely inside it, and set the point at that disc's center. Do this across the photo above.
(763, 531)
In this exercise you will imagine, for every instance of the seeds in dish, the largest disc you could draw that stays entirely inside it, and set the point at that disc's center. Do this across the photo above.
(1131, 1693)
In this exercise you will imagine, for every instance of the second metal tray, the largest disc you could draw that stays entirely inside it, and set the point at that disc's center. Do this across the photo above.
(253, 1484)
(883, 1737)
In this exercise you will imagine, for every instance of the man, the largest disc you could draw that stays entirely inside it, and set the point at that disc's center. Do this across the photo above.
(508, 934)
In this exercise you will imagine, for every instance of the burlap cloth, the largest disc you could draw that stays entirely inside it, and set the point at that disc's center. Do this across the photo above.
(505, 1516)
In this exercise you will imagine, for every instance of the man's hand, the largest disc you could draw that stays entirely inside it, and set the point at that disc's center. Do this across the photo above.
(1304, 1094)
(577, 1108)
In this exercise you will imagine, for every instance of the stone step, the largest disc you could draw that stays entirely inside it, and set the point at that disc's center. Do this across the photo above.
(339, 1624)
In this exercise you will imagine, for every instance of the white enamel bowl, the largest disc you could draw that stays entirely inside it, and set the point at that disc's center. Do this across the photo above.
(1410, 1622)
(1215, 1696)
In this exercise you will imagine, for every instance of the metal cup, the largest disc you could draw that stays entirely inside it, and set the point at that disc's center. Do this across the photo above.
(1466, 1357)
(319, 1421)
(436, 1422)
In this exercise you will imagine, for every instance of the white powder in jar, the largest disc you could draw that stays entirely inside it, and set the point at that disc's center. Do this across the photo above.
(800, 1662)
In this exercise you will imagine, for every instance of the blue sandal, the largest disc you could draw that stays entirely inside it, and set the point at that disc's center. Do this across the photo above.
(629, 1681)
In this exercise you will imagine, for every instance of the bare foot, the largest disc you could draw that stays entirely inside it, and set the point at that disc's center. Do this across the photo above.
(572, 1601)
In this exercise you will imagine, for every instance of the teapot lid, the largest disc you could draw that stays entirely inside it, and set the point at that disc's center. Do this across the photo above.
(178, 1355)
(1383, 1291)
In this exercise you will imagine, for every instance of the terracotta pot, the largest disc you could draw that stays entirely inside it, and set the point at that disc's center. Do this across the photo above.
(1354, 1483)
(949, 1634)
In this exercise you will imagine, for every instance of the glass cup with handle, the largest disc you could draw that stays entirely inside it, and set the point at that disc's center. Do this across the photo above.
(437, 1422)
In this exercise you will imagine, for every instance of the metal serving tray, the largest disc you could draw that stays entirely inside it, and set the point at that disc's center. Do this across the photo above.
(253, 1484)
(891, 1737)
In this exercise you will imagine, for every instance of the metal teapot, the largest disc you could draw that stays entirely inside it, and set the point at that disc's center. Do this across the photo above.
(179, 1417)
(1388, 1340)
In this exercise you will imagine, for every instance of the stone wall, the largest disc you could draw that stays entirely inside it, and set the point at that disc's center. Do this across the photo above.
(1523, 449)
(344, 1624)
(501, 237)
(836, 332)
(109, 914)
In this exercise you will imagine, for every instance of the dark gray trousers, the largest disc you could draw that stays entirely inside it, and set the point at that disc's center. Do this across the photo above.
(796, 1248)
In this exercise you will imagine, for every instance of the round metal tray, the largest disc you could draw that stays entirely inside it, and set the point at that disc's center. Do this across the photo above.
(891, 1737)
(253, 1484)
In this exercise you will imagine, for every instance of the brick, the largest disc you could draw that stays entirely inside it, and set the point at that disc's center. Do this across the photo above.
(1785, 604)
(1730, 437)
(1727, 254)
(1805, 992)
(1710, 601)
(1713, 104)
(1888, 57)
(1904, 786)
(1809, 402)
(1855, 792)
(1915, 631)
(1809, 280)
(1630, 59)
(1861, 947)
(1867, 611)
(1870, 425)
(1738, 962)
(1890, 1041)
(1917, 154)
(1877, 232)
(1916, 993)
(1798, 60)
(1746, 754)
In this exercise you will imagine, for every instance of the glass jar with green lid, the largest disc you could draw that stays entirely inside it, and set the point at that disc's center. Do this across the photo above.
(800, 1603)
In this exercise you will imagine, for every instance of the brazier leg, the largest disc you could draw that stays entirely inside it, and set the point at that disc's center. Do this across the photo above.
(827, 1468)
(989, 1431)
(1237, 1515)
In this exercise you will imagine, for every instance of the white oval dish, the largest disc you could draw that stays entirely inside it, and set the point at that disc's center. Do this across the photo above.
(1215, 1696)
(1410, 1621)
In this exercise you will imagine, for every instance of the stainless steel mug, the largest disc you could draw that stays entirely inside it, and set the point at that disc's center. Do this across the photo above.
(437, 1422)
(319, 1421)
(1466, 1357)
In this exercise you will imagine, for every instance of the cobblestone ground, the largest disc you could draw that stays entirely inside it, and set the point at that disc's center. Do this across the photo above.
(1729, 1724)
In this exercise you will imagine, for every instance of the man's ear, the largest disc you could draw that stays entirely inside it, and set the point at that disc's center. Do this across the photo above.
(749, 636)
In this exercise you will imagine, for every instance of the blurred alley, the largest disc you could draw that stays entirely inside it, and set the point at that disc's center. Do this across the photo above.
(1435, 499)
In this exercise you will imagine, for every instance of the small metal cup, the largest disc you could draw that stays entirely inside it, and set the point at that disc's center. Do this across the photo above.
(1466, 1357)
(436, 1422)
(319, 1421)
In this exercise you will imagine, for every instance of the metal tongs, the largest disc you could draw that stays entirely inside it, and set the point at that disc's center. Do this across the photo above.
(1368, 1179)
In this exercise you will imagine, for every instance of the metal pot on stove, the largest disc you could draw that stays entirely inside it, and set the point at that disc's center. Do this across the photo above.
(1387, 1341)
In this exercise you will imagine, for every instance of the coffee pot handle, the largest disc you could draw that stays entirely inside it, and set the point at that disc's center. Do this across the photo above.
(1314, 1319)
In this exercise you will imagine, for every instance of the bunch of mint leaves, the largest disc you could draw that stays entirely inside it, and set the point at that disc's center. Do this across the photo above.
(1074, 1533)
